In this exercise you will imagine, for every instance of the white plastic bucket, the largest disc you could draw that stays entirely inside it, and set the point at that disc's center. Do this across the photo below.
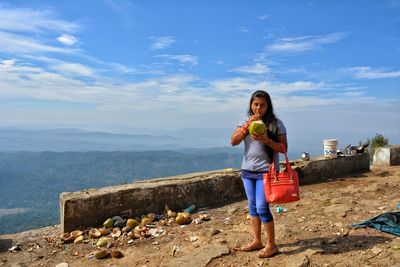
(330, 148)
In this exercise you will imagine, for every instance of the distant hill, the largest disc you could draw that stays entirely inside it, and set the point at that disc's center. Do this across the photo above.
(32, 181)
(14, 139)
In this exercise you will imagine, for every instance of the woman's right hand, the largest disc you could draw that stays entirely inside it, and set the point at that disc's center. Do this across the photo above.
(255, 117)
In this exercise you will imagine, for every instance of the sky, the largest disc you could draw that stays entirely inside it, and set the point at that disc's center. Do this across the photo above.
(332, 68)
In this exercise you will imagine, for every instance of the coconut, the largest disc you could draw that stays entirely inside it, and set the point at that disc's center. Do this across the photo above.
(78, 239)
(132, 223)
(102, 242)
(182, 218)
(108, 223)
(146, 221)
(257, 127)
(101, 254)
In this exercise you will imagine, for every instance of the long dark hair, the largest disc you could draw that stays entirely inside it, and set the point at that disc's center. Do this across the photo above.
(269, 118)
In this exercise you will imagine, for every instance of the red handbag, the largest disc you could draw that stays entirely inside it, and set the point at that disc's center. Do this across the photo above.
(281, 187)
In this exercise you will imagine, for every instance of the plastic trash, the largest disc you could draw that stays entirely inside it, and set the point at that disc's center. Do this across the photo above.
(191, 209)
(281, 209)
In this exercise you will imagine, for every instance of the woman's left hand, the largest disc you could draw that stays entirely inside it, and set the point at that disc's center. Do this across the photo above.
(262, 137)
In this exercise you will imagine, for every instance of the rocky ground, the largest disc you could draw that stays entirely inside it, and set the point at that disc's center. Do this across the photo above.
(312, 232)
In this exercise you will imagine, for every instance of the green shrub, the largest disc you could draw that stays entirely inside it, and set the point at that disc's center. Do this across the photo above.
(378, 141)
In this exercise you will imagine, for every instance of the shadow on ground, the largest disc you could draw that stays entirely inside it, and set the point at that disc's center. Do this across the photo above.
(336, 245)
(5, 244)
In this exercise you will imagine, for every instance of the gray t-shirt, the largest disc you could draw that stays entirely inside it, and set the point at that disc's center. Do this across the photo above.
(255, 157)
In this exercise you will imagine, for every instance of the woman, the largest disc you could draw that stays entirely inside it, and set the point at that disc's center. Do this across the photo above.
(259, 151)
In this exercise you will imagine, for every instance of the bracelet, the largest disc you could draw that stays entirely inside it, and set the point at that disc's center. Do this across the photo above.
(246, 125)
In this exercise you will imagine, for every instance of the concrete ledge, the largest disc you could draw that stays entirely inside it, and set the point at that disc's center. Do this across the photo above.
(387, 156)
(320, 170)
(92, 207)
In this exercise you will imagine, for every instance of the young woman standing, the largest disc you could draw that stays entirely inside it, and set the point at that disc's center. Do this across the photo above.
(259, 152)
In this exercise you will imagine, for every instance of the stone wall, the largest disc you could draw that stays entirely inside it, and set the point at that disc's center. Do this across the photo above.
(92, 207)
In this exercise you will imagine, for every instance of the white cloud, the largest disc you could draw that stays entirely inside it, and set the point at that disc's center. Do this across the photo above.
(162, 42)
(29, 20)
(167, 101)
(304, 43)
(246, 86)
(353, 93)
(13, 43)
(74, 68)
(7, 63)
(67, 39)
(258, 68)
(369, 73)
(263, 17)
(184, 59)
(28, 32)
(296, 87)
(243, 29)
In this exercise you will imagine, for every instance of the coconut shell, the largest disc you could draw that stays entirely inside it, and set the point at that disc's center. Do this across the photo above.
(108, 223)
(117, 254)
(182, 218)
(104, 231)
(102, 242)
(116, 232)
(132, 223)
(257, 127)
(101, 254)
(78, 239)
(94, 233)
(146, 220)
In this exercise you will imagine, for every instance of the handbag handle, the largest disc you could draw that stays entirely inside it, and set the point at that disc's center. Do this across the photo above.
(272, 168)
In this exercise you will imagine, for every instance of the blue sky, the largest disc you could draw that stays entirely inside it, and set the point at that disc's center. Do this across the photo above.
(332, 68)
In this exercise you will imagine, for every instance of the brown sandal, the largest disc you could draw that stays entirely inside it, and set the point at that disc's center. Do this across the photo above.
(248, 248)
(268, 253)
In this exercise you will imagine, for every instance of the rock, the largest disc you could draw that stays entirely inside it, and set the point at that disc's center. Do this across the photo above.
(312, 251)
(376, 250)
(62, 264)
(213, 232)
(317, 243)
(298, 261)
(200, 256)
(232, 210)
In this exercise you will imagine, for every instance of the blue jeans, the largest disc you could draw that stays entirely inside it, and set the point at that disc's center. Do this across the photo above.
(254, 187)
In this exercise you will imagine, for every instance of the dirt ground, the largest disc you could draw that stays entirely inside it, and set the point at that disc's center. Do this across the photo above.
(312, 232)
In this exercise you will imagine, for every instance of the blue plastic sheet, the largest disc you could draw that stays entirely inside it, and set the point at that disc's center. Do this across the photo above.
(388, 222)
